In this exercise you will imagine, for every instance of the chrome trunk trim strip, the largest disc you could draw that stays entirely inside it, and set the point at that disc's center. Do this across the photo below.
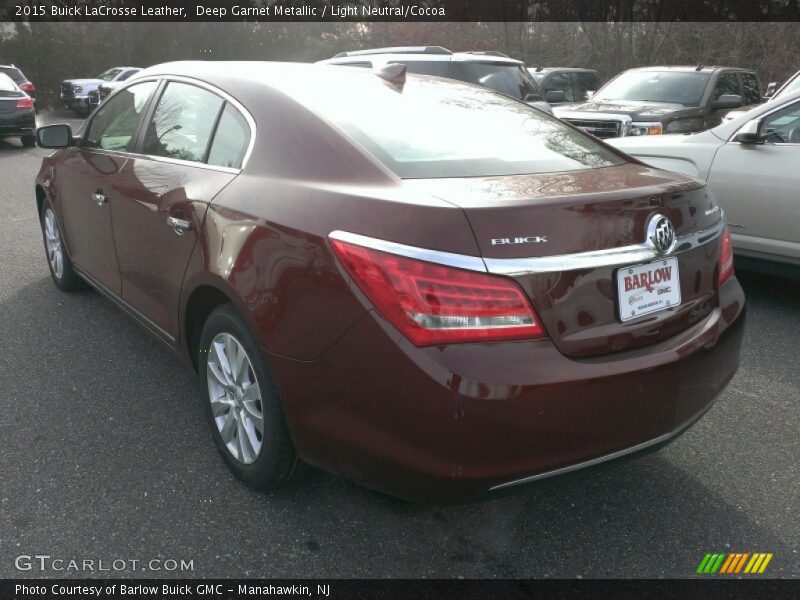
(612, 257)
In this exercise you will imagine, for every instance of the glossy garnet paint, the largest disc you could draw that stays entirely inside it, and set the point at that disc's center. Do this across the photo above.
(431, 423)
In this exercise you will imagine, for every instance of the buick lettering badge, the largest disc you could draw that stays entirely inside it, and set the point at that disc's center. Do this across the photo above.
(661, 234)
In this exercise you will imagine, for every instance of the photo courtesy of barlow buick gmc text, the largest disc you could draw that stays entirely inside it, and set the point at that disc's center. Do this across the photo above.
(307, 299)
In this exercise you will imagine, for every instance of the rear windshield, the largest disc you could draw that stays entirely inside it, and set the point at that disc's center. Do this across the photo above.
(109, 75)
(675, 87)
(792, 86)
(511, 80)
(6, 84)
(14, 73)
(434, 128)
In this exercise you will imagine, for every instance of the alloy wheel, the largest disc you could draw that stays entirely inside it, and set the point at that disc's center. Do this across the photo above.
(235, 398)
(52, 236)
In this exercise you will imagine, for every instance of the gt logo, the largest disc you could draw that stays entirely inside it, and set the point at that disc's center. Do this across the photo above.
(531, 239)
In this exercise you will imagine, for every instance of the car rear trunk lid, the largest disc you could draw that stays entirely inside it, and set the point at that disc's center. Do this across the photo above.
(531, 227)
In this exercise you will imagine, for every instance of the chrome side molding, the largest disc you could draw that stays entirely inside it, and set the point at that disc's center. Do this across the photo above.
(612, 257)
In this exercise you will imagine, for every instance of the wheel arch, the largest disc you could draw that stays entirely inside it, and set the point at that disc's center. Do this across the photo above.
(201, 302)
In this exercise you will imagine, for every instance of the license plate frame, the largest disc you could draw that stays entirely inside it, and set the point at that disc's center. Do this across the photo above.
(658, 291)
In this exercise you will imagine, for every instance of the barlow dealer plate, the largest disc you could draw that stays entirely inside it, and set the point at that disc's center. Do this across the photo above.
(648, 288)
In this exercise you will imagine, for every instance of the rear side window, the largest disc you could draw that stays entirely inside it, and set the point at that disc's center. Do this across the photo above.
(115, 122)
(752, 95)
(230, 140)
(434, 128)
(182, 123)
(14, 73)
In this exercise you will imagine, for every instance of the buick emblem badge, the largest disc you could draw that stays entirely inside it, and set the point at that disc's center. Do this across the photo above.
(661, 234)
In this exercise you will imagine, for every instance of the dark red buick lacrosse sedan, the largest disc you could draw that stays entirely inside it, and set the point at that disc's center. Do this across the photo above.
(422, 285)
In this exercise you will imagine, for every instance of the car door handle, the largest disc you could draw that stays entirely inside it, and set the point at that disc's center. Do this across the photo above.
(99, 198)
(179, 226)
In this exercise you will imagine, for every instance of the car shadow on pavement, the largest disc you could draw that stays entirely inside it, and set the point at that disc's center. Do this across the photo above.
(101, 432)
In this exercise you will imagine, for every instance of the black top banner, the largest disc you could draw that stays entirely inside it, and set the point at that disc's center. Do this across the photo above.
(399, 10)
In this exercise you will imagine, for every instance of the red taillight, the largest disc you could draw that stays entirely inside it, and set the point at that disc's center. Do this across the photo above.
(725, 257)
(27, 87)
(24, 103)
(434, 304)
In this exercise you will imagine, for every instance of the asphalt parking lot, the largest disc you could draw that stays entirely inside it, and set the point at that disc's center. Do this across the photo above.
(106, 455)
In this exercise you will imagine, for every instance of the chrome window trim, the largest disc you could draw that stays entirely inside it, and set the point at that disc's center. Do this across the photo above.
(611, 257)
(188, 80)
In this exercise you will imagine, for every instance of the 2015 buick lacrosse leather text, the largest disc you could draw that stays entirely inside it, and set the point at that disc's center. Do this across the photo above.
(328, 264)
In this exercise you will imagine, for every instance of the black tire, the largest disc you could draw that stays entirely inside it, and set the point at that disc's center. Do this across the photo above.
(69, 280)
(28, 141)
(277, 463)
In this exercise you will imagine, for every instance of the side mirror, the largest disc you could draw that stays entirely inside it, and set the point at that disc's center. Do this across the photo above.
(589, 94)
(727, 101)
(749, 134)
(54, 136)
(772, 87)
(555, 96)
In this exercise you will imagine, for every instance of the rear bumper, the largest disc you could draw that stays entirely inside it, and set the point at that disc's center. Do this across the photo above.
(17, 123)
(445, 424)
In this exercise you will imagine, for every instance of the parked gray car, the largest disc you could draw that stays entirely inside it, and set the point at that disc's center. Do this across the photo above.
(750, 164)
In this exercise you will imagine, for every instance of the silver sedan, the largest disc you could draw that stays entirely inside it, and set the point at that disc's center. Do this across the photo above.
(752, 165)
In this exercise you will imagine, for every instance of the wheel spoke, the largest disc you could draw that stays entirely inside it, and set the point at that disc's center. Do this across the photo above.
(245, 443)
(228, 427)
(255, 416)
(224, 360)
(215, 371)
(220, 405)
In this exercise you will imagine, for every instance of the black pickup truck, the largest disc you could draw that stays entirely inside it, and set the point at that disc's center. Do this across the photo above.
(657, 100)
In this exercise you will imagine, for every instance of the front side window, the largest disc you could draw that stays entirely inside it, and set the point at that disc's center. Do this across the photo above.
(114, 124)
(230, 139)
(434, 128)
(726, 84)
(783, 126)
(182, 123)
(674, 87)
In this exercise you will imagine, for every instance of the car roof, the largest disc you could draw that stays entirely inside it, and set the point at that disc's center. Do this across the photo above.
(546, 70)
(9, 67)
(243, 77)
(421, 53)
(691, 68)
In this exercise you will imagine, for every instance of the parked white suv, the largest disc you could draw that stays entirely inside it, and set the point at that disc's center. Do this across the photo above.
(491, 69)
